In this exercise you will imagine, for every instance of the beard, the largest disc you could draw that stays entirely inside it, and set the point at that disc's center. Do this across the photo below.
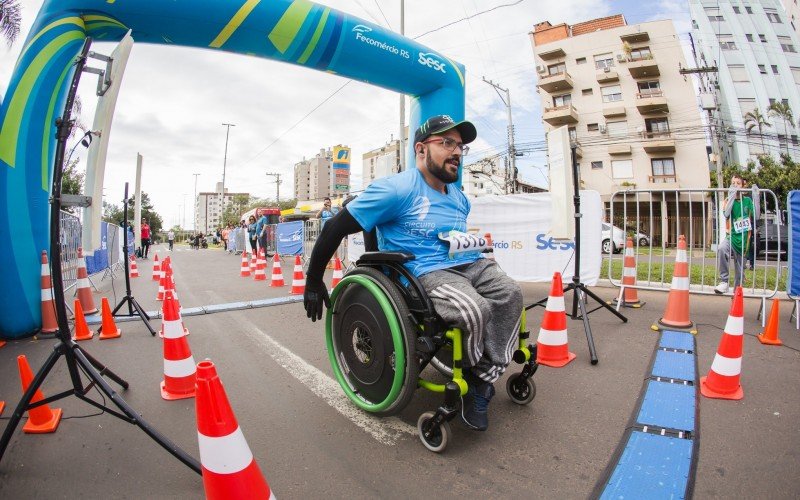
(440, 171)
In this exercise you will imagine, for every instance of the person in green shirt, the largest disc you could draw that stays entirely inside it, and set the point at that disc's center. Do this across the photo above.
(740, 212)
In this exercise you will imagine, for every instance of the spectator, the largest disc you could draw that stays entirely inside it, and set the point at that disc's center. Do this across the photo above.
(145, 238)
(225, 234)
(261, 231)
(252, 234)
(171, 239)
(739, 211)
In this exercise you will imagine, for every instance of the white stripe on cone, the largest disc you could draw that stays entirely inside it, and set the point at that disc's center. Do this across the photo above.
(734, 325)
(173, 329)
(726, 366)
(179, 368)
(225, 455)
(83, 282)
(555, 304)
(47, 294)
(628, 252)
(680, 256)
(679, 283)
(45, 270)
(552, 337)
(629, 272)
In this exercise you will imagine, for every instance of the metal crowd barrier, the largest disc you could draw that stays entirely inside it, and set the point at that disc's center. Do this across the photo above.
(656, 217)
(70, 241)
(311, 230)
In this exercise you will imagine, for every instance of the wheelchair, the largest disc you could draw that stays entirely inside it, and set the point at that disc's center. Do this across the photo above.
(381, 334)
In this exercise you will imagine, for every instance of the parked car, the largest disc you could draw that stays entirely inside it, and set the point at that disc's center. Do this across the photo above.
(642, 239)
(766, 240)
(613, 238)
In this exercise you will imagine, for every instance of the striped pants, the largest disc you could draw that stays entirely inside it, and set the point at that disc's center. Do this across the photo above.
(486, 304)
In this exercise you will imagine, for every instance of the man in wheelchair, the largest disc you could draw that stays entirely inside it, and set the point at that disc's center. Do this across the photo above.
(413, 211)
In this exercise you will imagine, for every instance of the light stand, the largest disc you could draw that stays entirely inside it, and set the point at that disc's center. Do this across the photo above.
(580, 291)
(76, 358)
(128, 298)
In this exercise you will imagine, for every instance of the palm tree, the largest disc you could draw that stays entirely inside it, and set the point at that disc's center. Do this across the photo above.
(783, 111)
(10, 20)
(754, 119)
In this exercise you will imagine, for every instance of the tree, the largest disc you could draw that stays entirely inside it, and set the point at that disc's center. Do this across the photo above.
(754, 119)
(114, 214)
(72, 182)
(778, 177)
(10, 20)
(236, 207)
(783, 111)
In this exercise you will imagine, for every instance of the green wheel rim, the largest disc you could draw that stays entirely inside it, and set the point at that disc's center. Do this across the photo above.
(397, 341)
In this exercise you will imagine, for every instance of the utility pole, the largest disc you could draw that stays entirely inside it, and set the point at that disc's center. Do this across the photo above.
(277, 186)
(402, 134)
(511, 177)
(194, 221)
(224, 166)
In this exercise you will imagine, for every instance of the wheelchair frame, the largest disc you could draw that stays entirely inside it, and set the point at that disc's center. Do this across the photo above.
(431, 336)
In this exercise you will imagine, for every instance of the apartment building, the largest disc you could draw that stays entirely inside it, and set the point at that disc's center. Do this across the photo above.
(792, 14)
(633, 116)
(209, 208)
(312, 176)
(755, 48)
(380, 162)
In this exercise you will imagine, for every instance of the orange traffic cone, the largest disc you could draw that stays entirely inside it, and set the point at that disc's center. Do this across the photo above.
(41, 420)
(84, 290)
(162, 285)
(244, 271)
(298, 279)
(631, 294)
(676, 314)
(337, 273)
(169, 284)
(277, 273)
(552, 347)
(179, 367)
(722, 381)
(82, 331)
(229, 469)
(253, 260)
(261, 266)
(108, 328)
(2, 406)
(49, 323)
(770, 334)
(156, 268)
(134, 271)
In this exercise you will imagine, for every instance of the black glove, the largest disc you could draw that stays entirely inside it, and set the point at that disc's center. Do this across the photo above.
(316, 293)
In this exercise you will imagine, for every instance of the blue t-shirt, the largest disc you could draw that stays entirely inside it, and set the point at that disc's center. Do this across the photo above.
(409, 215)
(262, 221)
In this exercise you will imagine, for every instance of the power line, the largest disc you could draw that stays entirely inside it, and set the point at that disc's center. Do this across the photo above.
(469, 17)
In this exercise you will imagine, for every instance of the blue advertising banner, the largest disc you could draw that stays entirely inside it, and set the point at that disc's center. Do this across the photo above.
(99, 260)
(793, 207)
(290, 238)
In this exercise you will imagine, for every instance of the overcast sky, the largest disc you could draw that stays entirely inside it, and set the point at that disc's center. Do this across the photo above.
(174, 100)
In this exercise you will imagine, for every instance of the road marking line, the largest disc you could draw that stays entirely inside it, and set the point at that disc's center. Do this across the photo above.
(386, 430)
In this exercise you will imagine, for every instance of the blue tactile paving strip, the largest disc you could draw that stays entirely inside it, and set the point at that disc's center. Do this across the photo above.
(651, 466)
(657, 456)
(674, 365)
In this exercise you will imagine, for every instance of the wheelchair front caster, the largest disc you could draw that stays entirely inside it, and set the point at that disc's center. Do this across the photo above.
(433, 436)
(521, 389)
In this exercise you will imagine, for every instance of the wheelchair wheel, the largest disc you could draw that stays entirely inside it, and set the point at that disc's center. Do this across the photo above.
(521, 390)
(371, 340)
(438, 440)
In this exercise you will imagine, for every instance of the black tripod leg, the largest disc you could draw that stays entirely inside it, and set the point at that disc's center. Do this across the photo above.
(26, 398)
(105, 371)
(144, 316)
(127, 410)
(604, 304)
(587, 328)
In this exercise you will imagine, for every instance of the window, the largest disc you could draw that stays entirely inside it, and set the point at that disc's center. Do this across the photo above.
(736, 10)
(641, 53)
(717, 19)
(763, 38)
(603, 61)
(592, 127)
(573, 134)
(782, 141)
(738, 73)
(562, 100)
(612, 93)
(726, 42)
(650, 88)
(786, 44)
(749, 37)
(773, 17)
(771, 101)
(794, 140)
(622, 169)
(587, 92)
(663, 166)
(749, 10)
(796, 74)
(597, 165)
(656, 126)
(762, 69)
(617, 129)
(580, 60)
(774, 69)
(555, 69)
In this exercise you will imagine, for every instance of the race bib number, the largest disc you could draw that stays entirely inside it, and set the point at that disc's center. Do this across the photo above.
(741, 225)
(459, 242)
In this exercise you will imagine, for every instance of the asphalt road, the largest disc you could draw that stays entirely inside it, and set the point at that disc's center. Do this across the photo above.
(311, 442)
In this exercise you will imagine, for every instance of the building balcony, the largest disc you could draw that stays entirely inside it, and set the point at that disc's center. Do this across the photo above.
(612, 111)
(578, 150)
(651, 102)
(607, 75)
(643, 67)
(670, 180)
(658, 142)
(638, 37)
(560, 115)
(619, 149)
(555, 83)
(549, 55)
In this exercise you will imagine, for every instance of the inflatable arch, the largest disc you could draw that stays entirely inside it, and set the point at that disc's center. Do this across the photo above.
(298, 32)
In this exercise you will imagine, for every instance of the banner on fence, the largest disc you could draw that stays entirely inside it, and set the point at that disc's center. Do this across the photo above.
(290, 238)
(355, 246)
(521, 228)
(793, 207)
(99, 260)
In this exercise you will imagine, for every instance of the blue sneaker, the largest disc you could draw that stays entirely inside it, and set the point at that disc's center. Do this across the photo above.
(475, 406)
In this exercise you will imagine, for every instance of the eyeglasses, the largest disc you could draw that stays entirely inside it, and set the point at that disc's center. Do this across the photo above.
(450, 144)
